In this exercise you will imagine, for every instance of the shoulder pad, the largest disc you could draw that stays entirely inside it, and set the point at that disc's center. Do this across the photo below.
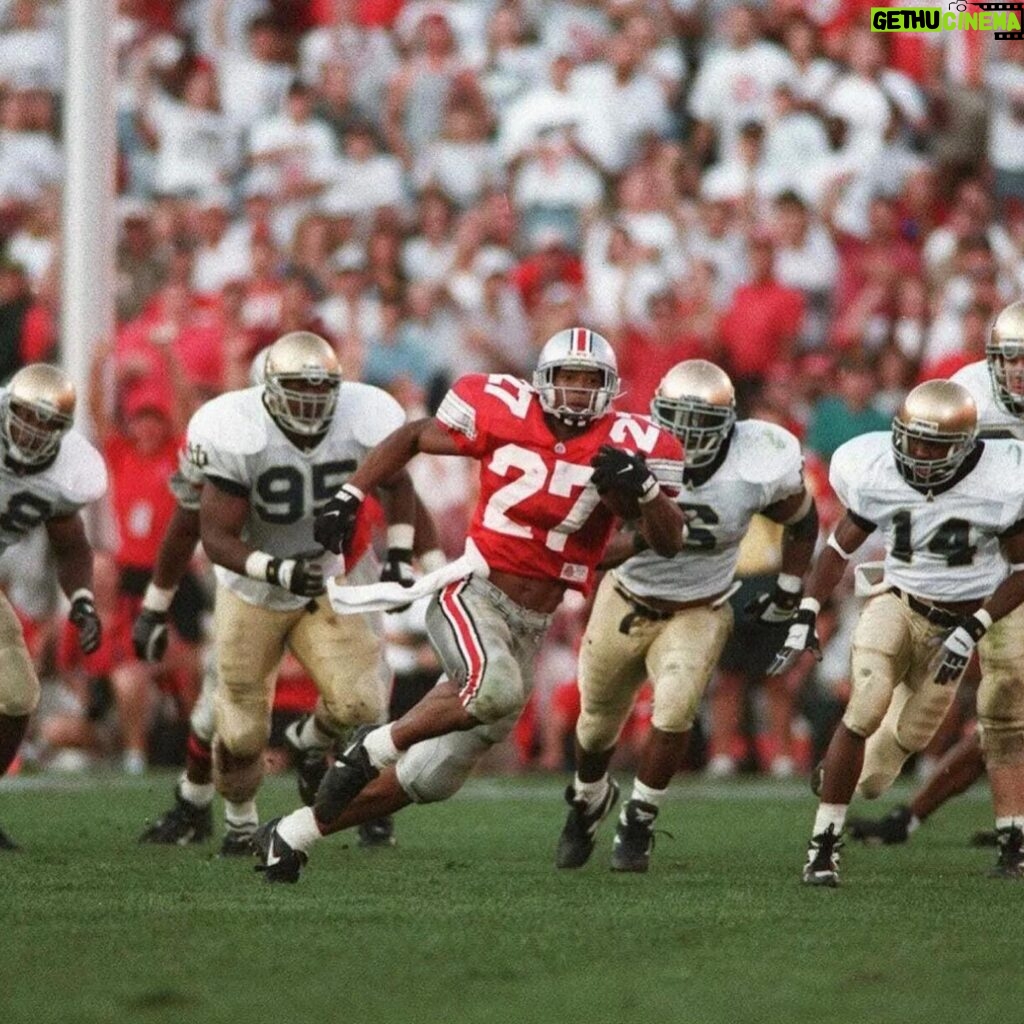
(371, 412)
(235, 423)
(765, 451)
(857, 457)
(79, 470)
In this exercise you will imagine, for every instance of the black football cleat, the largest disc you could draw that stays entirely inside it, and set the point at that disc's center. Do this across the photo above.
(890, 830)
(185, 823)
(350, 774)
(278, 861)
(6, 842)
(237, 842)
(1010, 863)
(310, 765)
(377, 834)
(822, 867)
(576, 843)
(634, 838)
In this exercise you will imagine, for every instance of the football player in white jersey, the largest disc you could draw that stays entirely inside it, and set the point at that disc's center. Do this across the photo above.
(48, 472)
(668, 619)
(271, 456)
(190, 819)
(952, 510)
(996, 384)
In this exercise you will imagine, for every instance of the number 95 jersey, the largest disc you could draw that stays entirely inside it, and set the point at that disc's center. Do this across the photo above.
(945, 545)
(236, 445)
(76, 477)
(538, 515)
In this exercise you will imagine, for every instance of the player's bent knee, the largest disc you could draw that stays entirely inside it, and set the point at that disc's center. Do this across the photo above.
(884, 758)
(872, 691)
(21, 700)
(436, 769)
(599, 730)
(1002, 744)
(354, 710)
(501, 693)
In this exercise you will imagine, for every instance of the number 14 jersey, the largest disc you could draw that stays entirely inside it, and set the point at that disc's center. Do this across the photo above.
(944, 546)
(538, 515)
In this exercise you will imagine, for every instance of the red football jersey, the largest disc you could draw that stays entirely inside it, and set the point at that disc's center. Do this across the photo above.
(143, 503)
(538, 514)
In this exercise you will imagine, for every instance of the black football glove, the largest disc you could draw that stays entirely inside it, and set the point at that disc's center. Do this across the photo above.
(150, 635)
(802, 636)
(297, 575)
(335, 523)
(957, 649)
(624, 472)
(84, 618)
(774, 608)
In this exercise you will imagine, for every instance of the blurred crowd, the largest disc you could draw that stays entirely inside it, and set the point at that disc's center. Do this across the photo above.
(437, 186)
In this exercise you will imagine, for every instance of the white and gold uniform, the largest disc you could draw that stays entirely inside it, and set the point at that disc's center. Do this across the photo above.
(1000, 697)
(625, 643)
(237, 446)
(939, 547)
(76, 477)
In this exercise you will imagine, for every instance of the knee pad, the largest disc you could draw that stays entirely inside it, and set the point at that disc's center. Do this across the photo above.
(677, 696)
(873, 680)
(598, 729)
(435, 769)
(884, 758)
(501, 692)
(363, 706)
(236, 778)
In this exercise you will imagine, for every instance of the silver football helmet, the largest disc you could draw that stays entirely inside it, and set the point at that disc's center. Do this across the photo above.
(36, 411)
(1004, 353)
(576, 348)
(935, 429)
(301, 375)
(696, 401)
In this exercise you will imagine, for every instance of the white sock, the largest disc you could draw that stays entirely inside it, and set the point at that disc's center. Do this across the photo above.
(380, 747)
(646, 794)
(312, 737)
(200, 795)
(913, 825)
(299, 829)
(241, 815)
(591, 793)
(1011, 821)
(830, 814)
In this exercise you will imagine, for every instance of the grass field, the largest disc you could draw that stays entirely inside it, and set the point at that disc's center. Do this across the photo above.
(467, 921)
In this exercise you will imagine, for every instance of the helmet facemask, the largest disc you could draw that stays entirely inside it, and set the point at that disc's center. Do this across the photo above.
(302, 403)
(553, 398)
(32, 432)
(928, 471)
(701, 426)
(1006, 372)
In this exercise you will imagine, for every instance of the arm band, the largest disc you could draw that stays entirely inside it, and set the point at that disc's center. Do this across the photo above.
(401, 536)
(256, 565)
(801, 512)
(82, 592)
(789, 583)
(158, 599)
(984, 618)
(810, 604)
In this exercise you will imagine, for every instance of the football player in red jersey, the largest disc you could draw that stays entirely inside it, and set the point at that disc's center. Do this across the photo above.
(547, 453)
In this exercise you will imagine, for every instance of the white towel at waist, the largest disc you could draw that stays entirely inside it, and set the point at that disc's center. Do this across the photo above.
(382, 597)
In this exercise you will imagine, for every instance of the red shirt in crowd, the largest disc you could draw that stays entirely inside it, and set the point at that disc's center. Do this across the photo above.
(643, 362)
(757, 328)
(142, 501)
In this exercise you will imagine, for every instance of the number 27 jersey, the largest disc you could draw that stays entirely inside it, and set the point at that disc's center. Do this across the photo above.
(538, 515)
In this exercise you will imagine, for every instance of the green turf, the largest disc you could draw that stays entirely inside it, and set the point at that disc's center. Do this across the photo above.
(468, 921)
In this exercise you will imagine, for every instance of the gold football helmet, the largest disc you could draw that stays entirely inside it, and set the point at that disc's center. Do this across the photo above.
(1004, 352)
(36, 411)
(696, 401)
(935, 429)
(301, 374)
